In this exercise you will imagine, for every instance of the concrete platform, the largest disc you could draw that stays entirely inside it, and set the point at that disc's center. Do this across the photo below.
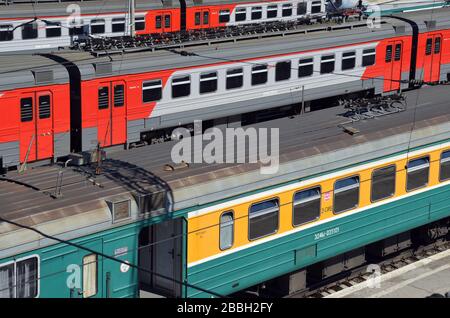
(417, 280)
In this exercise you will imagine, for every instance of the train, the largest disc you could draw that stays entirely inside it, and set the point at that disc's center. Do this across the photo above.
(67, 102)
(137, 229)
(46, 25)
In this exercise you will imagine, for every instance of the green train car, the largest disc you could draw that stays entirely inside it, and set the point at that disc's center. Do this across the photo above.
(141, 229)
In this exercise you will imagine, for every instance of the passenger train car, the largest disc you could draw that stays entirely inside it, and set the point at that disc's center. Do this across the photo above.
(60, 23)
(119, 100)
(336, 200)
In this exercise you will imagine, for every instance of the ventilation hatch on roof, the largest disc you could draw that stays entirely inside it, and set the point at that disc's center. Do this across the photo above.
(154, 202)
(431, 24)
(104, 68)
(120, 208)
(43, 76)
(399, 29)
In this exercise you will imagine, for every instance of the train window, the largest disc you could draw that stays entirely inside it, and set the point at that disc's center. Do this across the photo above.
(346, 194)
(44, 107)
(19, 279)
(417, 173)
(119, 95)
(208, 82)
(103, 97)
(235, 78)
(256, 13)
(151, 91)
(7, 281)
(398, 52)
(383, 183)
(224, 16)
(429, 46)
(306, 67)
(29, 31)
(118, 25)
(181, 86)
(306, 206)
(197, 18)
(369, 57)
(283, 71)
(158, 22)
(437, 45)
(241, 14)
(167, 21)
(327, 64)
(97, 26)
(348, 60)
(263, 219)
(6, 33)
(388, 53)
(206, 17)
(286, 10)
(77, 30)
(301, 8)
(316, 7)
(444, 173)
(272, 11)
(26, 109)
(139, 23)
(259, 74)
(89, 275)
(226, 235)
(53, 30)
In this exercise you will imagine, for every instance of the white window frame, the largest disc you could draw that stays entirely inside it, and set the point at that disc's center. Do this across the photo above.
(38, 270)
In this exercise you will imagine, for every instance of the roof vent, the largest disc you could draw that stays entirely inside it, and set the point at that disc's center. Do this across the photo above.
(151, 202)
(43, 77)
(120, 209)
(431, 24)
(167, 3)
(399, 29)
(103, 68)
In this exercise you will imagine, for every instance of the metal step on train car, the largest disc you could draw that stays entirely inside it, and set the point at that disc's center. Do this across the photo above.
(71, 102)
(37, 25)
(130, 225)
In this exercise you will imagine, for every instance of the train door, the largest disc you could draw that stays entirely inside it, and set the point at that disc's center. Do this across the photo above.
(36, 126)
(432, 59)
(163, 22)
(393, 70)
(202, 18)
(111, 113)
(160, 251)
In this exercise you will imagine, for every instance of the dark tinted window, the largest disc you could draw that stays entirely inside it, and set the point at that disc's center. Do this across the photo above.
(77, 30)
(151, 91)
(103, 97)
(119, 95)
(272, 11)
(369, 56)
(97, 26)
(224, 16)
(417, 173)
(197, 18)
(167, 19)
(444, 173)
(7, 281)
(240, 14)
(286, 10)
(205, 17)
(6, 33)
(256, 13)
(26, 109)
(327, 64)
(429, 46)
(263, 219)
(235, 78)
(139, 23)
(259, 74)
(181, 86)
(158, 22)
(226, 235)
(53, 30)
(346, 194)
(388, 53)
(301, 8)
(118, 25)
(208, 82)
(383, 183)
(283, 71)
(437, 45)
(398, 52)
(348, 60)
(29, 31)
(305, 67)
(306, 206)
(316, 7)
(44, 107)
(27, 278)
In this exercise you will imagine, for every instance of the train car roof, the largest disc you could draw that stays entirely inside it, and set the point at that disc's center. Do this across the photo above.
(48, 9)
(311, 144)
(24, 70)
